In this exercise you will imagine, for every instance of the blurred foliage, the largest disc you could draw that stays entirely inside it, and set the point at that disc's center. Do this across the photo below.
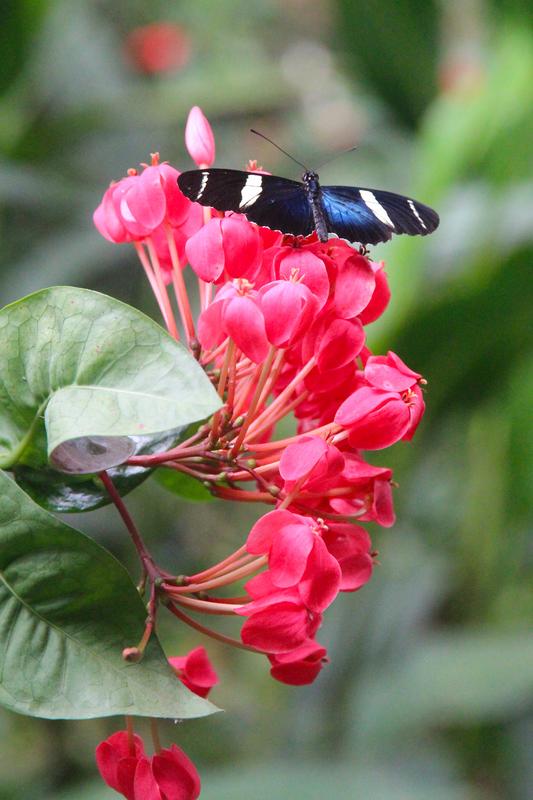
(428, 693)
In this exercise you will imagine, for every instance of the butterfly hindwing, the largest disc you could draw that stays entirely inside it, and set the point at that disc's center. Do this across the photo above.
(267, 200)
(370, 216)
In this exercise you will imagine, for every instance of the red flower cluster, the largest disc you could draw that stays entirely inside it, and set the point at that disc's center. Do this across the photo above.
(281, 330)
(167, 775)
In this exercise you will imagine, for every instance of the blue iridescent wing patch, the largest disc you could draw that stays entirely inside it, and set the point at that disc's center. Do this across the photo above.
(370, 216)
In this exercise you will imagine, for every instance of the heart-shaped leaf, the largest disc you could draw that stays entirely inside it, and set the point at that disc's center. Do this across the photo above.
(57, 491)
(67, 610)
(85, 381)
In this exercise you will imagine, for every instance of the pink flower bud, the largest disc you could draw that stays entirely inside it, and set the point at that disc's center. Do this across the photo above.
(199, 138)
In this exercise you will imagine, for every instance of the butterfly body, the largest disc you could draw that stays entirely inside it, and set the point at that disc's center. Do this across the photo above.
(313, 191)
(366, 216)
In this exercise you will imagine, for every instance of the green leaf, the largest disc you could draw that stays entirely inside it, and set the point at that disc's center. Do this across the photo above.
(56, 491)
(67, 610)
(85, 381)
(183, 485)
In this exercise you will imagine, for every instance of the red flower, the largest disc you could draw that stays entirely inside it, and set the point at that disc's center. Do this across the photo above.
(351, 546)
(289, 309)
(117, 758)
(168, 775)
(159, 47)
(235, 312)
(227, 247)
(137, 205)
(376, 418)
(278, 620)
(195, 671)
(297, 557)
(300, 666)
(381, 296)
(390, 373)
(279, 623)
(107, 219)
(199, 138)
(302, 266)
(310, 457)
(354, 286)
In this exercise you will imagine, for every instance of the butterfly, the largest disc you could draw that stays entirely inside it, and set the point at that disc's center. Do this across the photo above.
(365, 216)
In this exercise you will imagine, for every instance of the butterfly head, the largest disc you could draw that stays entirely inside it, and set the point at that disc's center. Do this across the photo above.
(310, 179)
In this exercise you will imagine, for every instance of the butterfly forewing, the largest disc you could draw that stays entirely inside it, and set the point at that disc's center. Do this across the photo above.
(267, 200)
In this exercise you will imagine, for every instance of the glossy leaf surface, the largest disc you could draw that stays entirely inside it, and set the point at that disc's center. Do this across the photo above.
(67, 610)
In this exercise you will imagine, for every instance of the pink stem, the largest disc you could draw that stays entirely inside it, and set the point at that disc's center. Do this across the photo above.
(223, 580)
(206, 606)
(154, 258)
(255, 399)
(208, 632)
(285, 394)
(151, 277)
(207, 573)
(180, 289)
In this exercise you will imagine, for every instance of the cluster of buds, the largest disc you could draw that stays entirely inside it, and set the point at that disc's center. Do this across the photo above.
(281, 331)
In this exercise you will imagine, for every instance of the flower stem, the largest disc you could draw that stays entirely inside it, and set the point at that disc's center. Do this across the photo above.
(147, 561)
(207, 573)
(206, 606)
(169, 318)
(220, 637)
(131, 740)
(225, 579)
(154, 731)
(255, 400)
(180, 289)
(284, 396)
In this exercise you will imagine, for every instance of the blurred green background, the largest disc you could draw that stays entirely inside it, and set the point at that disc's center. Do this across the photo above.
(429, 691)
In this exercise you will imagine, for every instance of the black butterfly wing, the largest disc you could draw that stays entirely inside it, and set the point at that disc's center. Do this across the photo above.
(370, 216)
(276, 203)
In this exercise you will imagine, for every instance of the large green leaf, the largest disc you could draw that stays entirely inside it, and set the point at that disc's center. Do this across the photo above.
(85, 381)
(67, 610)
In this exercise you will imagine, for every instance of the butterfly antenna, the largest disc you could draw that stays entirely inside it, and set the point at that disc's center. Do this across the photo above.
(262, 135)
(333, 158)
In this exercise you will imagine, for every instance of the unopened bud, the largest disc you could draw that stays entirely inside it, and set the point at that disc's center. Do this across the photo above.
(199, 138)
(132, 654)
